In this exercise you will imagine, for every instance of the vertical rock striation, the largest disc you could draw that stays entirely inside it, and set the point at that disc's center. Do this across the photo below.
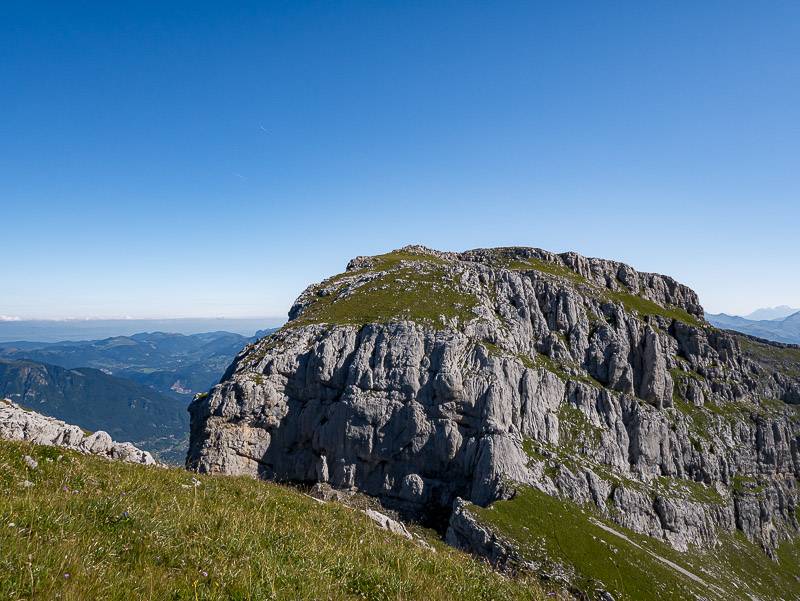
(423, 378)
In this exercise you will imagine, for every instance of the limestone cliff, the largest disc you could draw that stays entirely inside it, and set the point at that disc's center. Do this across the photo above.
(422, 378)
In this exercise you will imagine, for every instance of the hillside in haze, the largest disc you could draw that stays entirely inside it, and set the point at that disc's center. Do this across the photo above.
(94, 400)
(768, 313)
(176, 365)
(78, 330)
(782, 329)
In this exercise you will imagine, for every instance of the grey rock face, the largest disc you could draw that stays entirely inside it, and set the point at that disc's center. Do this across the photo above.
(468, 534)
(423, 377)
(17, 423)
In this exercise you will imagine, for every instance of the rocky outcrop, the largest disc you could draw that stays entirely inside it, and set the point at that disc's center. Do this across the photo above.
(17, 423)
(422, 377)
(467, 533)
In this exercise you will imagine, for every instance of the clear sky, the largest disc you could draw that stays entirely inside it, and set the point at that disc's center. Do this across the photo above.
(167, 159)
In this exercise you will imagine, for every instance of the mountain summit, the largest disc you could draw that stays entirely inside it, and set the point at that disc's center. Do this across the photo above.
(552, 412)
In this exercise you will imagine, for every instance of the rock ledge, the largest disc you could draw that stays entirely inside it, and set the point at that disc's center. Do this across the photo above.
(17, 423)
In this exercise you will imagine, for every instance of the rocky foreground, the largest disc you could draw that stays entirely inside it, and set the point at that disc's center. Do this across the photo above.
(439, 381)
(17, 423)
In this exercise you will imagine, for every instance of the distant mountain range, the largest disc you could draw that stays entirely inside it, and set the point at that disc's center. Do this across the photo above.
(786, 329)
(136, 387)
(173, 364)
(53, 330)
(769, 313)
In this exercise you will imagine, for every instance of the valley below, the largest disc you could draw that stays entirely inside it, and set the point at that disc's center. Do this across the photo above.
(134, 387)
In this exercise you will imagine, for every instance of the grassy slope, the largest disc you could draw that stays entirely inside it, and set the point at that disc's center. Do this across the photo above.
(423, 294)
(784, 359)
(560, 532)
(130, 532)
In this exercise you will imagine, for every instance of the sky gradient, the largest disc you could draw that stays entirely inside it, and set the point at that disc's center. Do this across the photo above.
(212, 159)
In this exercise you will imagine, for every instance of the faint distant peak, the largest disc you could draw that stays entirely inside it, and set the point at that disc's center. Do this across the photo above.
(771, 313)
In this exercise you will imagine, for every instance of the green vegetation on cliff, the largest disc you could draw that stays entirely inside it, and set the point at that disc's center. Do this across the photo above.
(534, 264)
(82, 527)
(418, 286)
(645, 307)
(405, 286)
(774, 356)
(631, 302)
(560, 535)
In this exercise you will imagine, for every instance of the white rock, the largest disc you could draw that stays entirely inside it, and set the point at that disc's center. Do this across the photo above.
(387, 523)
(17, 423)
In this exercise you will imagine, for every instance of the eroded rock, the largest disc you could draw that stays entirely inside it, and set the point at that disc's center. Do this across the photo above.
(423, 377)
(17, 423)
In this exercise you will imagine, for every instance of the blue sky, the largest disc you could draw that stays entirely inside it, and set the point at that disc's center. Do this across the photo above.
(213, 158)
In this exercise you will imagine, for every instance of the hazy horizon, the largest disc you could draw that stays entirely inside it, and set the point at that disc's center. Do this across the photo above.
(73, 330)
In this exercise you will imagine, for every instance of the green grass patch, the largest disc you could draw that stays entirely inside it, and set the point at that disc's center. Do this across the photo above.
(747, 484)
(394, 259)
(553, 457)
(260, 349)
(700, 419)
(773, 406)
(695, 491)
(542, 266)
(493, 349)
(785, 360)
(538, 361)
(94, 529)
(645, 307)
(542, 361)
(422, 293)
(633, 567)
(683, 374)
(576, 433)
(560, 533)
(740, 561)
